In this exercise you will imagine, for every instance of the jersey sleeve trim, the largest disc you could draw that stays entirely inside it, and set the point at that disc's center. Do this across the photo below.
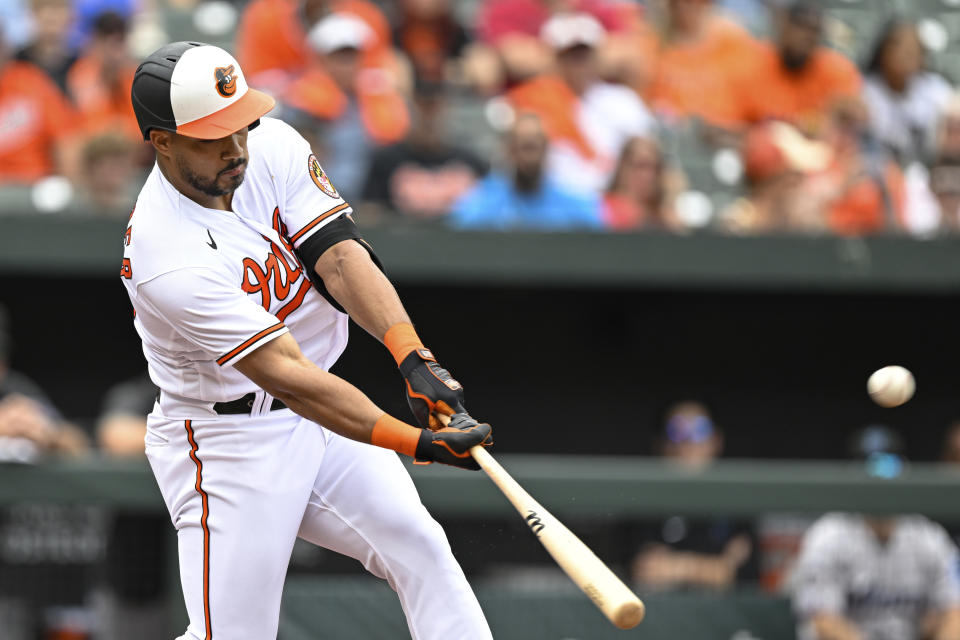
(313, 223)
(252, 343)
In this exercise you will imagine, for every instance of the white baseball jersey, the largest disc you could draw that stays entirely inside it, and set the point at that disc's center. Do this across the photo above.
(883, 588)
(209, 286)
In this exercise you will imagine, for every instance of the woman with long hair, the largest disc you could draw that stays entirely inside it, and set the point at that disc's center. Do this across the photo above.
(904, 98)
(642, 191)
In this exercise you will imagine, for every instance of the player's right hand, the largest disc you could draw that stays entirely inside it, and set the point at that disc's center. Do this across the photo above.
(451, 444)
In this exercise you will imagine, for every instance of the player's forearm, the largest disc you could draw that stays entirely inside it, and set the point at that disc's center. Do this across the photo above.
(280, 369)
(360, 287)
(948, 625)
(833, 627)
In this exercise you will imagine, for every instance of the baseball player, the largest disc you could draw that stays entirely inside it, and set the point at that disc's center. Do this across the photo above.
(877, 578)
(243, 264)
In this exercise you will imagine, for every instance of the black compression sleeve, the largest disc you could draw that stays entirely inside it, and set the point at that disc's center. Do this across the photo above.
(340, 229)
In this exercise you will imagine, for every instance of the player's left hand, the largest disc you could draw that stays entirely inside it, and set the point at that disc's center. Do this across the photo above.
(451, 444)
(430, 389)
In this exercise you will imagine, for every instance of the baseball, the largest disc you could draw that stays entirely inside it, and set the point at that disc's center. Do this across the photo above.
(891, 386)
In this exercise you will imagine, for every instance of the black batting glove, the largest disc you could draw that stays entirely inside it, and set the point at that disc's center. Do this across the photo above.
(451, 444)
(430, 389)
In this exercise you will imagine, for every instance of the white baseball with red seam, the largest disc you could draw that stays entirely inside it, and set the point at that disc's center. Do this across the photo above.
(891, 386)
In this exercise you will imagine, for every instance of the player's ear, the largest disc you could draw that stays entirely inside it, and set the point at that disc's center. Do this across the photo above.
(161, 141)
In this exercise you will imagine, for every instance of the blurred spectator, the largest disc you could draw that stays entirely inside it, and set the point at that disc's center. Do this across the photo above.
(587, 120)
(87, 12)
(424, 175)
(122, 424)
(864, 190)
(30, 426)
(430, 36)
(945, 186)
(440, 49)
(951, 444)
(683, 552)
(36, 124)
(904, 99)
(877, 577)
(933, 197)
(99, 82)
(513, 28)
(344, 110)
(699, 57)
(15, 23)
(947, 143)
(643, 190)
(272, 36)
(524, 196)
(109, 173)
(778, 162)
(796, 78)
(752, 14)
(51, 48)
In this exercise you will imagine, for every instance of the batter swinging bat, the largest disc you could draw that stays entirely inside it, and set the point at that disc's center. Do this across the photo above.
(624, 609)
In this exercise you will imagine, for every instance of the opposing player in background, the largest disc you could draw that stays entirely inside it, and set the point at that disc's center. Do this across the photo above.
(873, 576)
(252, 441)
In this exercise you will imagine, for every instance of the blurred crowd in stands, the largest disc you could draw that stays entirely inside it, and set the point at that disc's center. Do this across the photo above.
(738, 116)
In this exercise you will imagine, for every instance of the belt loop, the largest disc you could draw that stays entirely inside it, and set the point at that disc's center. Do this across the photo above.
(265, 404)
(256, 408)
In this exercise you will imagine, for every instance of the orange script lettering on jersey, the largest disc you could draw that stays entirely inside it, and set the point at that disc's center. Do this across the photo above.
(277, 269)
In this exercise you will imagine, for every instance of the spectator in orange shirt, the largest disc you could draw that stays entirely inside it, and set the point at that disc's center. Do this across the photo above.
(272, 36)
(797, 78)
(100, 81)
(864, 192)
(699, 55)
(345, 111)
(35, 124)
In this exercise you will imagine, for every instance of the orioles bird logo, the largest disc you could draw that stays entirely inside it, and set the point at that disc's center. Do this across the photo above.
(320, 178)
(226, 81)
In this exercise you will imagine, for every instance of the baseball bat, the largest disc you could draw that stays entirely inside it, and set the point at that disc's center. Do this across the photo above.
(617, 602)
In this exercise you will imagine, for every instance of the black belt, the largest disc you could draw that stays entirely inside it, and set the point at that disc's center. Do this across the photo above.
(244, 405)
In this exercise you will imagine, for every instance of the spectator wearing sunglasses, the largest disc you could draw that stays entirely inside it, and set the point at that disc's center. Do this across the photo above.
(693, 553)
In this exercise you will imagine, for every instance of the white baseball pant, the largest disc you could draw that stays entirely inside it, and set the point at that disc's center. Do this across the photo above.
(241, 489)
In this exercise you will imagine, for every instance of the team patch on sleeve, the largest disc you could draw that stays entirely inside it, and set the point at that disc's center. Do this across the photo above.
(320, 178)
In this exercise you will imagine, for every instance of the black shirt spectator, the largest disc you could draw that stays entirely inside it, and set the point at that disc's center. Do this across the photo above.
(424, 175)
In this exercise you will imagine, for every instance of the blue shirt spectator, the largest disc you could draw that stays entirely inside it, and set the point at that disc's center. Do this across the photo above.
(496, 203)
(525, 197)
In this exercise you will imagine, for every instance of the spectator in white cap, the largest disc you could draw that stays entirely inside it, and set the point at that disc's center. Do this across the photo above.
(344, 109)
(586, 119)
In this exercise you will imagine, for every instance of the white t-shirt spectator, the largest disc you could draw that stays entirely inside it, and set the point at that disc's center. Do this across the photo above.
(608, 115)
(907, 122)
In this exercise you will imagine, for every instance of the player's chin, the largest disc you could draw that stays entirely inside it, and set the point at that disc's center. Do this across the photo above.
(230, 182)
